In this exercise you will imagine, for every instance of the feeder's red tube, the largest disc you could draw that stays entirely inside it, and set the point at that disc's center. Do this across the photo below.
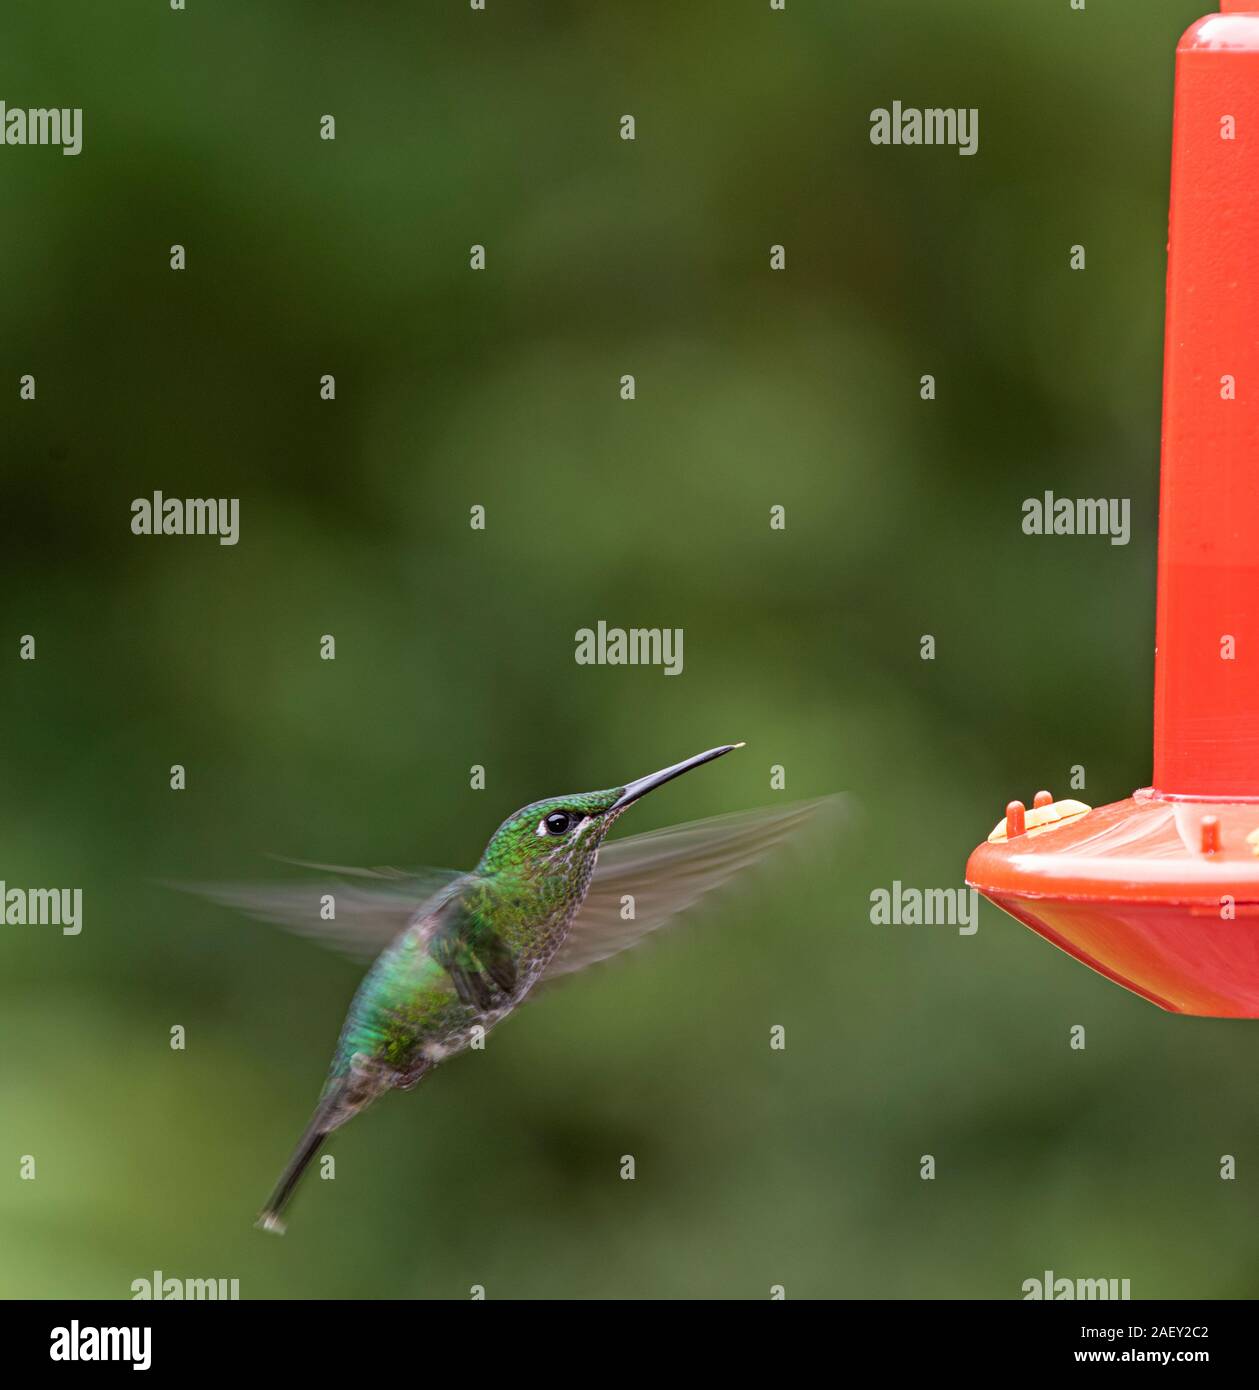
(1206, 678)
(1160, 892)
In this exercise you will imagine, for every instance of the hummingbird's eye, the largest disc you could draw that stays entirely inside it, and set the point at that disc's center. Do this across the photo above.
(558, 822)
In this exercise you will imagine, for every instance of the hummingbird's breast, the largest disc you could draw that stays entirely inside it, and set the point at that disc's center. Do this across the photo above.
(535, 936)
(407, 1015)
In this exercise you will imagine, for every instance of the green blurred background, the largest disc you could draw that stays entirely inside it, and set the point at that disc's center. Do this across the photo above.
(455, 647)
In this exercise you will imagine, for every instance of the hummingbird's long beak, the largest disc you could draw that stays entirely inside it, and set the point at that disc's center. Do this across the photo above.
(633, 790)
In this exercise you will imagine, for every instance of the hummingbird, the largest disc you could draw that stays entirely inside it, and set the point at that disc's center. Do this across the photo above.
(461, 951)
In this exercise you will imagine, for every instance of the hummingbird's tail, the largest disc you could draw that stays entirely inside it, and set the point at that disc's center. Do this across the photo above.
(308, 1146)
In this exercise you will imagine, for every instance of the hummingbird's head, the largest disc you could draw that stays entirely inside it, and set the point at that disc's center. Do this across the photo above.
(559, 838)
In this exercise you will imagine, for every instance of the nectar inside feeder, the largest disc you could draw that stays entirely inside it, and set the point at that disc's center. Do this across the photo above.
(1160, 892)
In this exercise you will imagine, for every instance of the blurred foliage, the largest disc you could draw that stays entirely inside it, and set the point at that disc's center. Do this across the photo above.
(455, 647)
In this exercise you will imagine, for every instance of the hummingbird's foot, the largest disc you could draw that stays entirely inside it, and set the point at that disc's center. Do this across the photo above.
(409, 1080)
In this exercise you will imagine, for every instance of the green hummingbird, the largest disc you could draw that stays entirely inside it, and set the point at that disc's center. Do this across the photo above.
(461, 951)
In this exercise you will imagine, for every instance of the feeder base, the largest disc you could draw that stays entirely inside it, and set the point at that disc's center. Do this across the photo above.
(1158, 894)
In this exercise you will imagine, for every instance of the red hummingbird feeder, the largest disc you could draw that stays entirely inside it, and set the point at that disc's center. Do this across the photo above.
(1160, 892)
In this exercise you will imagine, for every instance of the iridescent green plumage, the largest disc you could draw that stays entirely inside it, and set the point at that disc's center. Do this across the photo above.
(471, 947)
(480, 948)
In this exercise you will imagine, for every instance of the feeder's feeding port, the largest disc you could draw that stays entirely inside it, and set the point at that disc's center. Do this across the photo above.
(1160, 892)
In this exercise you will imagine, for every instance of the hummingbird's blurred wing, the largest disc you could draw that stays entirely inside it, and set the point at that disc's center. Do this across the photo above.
(666, 871)
(369, 911)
